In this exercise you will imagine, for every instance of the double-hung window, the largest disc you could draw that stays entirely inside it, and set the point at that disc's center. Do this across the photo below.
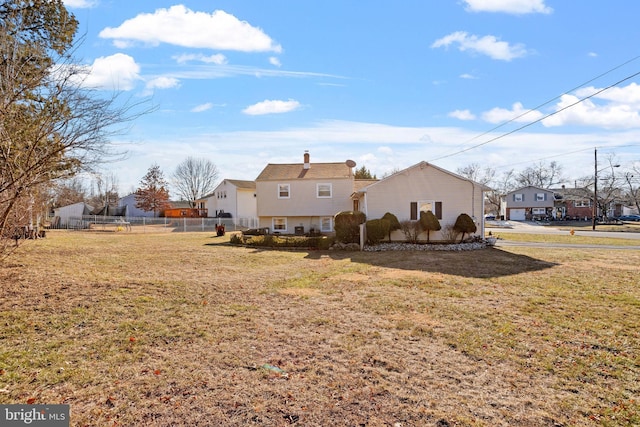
(323, 191)
(541, 197)
(518, 197)
(279, 224)
(284, 191)
(326, 224)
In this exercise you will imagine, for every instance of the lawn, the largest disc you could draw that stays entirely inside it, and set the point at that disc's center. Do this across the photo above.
(183, 329)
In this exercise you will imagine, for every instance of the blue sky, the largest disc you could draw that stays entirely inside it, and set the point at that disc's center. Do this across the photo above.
(386, 84)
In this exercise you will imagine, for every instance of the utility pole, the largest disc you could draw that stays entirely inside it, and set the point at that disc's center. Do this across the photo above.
(595, 189)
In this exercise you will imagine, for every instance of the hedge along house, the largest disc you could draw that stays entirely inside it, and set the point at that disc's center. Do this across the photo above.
(423, 187)
(303, 197)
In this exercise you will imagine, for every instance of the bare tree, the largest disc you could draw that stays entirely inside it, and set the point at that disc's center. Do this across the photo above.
(194, 178)
(51, 126)
(476, 173)
(541, 175)
(632, 181)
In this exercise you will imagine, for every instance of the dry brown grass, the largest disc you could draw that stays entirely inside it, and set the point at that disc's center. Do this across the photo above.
(176, 329)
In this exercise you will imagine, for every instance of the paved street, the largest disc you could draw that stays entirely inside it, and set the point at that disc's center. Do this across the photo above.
(532, 228)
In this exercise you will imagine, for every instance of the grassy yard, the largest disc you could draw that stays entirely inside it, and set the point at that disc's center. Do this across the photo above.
(183, 329)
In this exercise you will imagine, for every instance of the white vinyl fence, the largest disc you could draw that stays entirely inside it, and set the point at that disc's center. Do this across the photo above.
(150, 225)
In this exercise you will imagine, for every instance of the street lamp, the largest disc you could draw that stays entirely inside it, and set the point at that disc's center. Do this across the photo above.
(595, 188)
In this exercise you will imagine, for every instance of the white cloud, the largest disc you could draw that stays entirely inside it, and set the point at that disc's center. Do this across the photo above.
(468, 76)
(516, 7)
(115, 72)
(163, 82)
(592, 54)
(620, 110)
(275, 61)
(518, 114)
(218, 59)
(486, 45)
(80, 4)
(202, 107)
(462, 115)
(181, 26)
(271, 107)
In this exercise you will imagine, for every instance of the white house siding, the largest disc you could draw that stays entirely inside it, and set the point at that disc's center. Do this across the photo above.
(424, 182)
(74, 211)
(227, 197)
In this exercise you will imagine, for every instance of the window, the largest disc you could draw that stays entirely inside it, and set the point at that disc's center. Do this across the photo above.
(279, 224)
(326, 224)
(582, 203)
(538, 211)
(323, 191)
(423, 206)
(283, 191)
(541, 197)
(518, 197)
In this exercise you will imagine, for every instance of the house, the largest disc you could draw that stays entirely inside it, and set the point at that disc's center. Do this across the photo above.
(131, 210)
(528, 203)
(303, 197)
(71, 215)
(233, 198)
(420, 188)
(577, 204)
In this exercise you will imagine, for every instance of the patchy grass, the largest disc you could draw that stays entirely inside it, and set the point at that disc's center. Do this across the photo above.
(179, 328)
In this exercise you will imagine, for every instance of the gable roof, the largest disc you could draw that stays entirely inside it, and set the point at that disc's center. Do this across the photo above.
(242, 184)
(423, 165)
(294, 171)
(546, 190)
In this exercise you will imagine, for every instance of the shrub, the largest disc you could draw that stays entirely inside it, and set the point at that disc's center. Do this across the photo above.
(236, 239)
(450, 234)
(429, 222)
(394, 224)
(347, 226)
(464, 224)
(377, 229)
(411, 230)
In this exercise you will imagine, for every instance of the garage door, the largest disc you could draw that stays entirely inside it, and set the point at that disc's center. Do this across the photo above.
(516, 214)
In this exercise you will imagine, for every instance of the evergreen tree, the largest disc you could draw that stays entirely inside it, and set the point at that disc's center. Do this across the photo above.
(464, 224)
(364, 173)
(429, 222)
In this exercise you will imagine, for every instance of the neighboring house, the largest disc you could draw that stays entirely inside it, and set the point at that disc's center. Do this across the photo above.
(573, 203)
(528, 203)
(71, 215)
(301, 197)
(132, 211)
(233, 198)
(423, 187)
(577, 204)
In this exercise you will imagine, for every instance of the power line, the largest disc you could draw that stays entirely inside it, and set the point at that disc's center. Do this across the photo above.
(537, 120)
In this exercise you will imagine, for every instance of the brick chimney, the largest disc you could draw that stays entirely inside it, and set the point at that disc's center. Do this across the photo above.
(306, 165)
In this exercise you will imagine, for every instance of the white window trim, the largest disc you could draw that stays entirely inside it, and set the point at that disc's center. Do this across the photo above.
(288, 196)
(540, 197)
(318, 190)
(518, 197)
(330, 224)
(538, 211)
(273, 225)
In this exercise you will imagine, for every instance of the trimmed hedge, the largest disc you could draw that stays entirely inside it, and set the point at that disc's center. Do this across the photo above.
(347, 226)
(377, 230)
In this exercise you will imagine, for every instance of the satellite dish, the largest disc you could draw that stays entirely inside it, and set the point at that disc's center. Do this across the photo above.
(351, 163)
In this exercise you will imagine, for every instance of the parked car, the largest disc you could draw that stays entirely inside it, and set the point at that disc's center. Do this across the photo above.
(489, 217)
(635, 218)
